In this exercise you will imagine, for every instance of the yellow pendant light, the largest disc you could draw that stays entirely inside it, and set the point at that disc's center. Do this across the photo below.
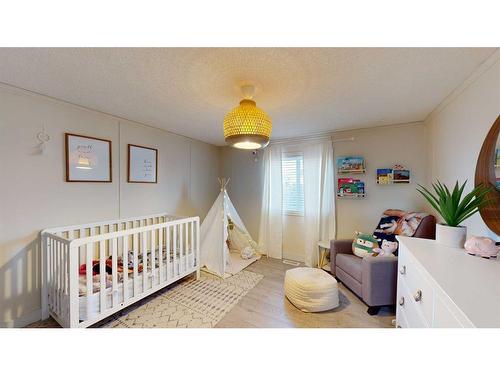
(247, 126)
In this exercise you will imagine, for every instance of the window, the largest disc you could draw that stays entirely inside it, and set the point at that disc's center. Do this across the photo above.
(292, 169)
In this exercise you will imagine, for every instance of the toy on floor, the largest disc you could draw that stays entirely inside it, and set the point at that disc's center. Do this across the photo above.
(247, 253)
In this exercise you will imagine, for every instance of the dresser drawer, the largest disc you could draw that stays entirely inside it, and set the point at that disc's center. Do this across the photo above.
(401, 321)
(443, 317)
(447, 314)
(408, 313)
(419, 287)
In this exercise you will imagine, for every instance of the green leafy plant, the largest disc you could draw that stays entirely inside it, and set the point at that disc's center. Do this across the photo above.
(451, 206)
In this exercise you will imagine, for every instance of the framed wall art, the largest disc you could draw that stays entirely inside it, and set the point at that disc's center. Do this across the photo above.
(88, 159)
(142, 164)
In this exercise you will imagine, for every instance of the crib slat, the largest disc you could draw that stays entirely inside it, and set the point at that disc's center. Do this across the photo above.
(61, 275)
(167, 242)
(54, 273)
(136, 264)
(54, 276)
(153, 256)
(63, 269)
(181, 248)
(187, 245)
(174, 245)
(160, 254)
(51, 273)
(192, 244)
(58, 277)
(125, 266)
(90, 285)
(144, 261)
(114, 270)
(102, 275)
(74, 301)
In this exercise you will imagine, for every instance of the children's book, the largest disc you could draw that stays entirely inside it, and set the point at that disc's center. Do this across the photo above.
(401, 176)
(384, 176)
(351, 164)
(349, 187)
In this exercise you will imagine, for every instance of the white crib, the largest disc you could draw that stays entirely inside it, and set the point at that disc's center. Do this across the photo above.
(168, 245)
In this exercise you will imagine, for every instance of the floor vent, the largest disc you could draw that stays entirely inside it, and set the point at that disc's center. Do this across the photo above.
(291, 262)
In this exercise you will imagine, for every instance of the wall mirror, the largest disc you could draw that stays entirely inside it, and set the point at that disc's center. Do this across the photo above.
(488, 173)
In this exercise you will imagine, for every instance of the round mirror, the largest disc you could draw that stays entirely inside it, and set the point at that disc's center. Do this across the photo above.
(488, 173)
(497, 164)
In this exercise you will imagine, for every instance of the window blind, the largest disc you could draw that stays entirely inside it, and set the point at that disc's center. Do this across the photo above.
(292, 168)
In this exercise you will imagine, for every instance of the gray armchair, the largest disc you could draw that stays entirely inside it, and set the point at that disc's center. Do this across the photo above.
(373, 279)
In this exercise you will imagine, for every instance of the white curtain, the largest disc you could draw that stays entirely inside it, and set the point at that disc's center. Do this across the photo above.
(319, 201)
(319, 209)
(271, 219)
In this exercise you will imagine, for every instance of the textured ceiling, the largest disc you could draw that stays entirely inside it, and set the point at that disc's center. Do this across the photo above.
(305, 90)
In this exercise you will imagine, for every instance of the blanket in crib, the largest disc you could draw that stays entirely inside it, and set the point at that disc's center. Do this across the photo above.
(96, 269)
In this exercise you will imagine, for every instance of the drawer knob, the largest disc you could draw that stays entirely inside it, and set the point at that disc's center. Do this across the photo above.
(402, 270)
(401, 301)
(418, 296)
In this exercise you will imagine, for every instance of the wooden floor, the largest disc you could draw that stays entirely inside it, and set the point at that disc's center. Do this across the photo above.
(266, 306)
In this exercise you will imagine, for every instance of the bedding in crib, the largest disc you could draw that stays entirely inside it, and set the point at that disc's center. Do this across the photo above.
(96, 277)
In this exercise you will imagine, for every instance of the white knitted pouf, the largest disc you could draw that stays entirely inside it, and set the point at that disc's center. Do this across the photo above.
(311, 289)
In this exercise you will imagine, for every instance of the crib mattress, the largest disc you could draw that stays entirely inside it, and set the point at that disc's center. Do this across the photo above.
(93, 300)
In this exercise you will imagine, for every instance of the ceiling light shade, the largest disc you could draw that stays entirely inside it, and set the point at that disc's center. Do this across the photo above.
(247, 126)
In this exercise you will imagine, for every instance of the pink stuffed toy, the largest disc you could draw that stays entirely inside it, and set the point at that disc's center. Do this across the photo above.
(482, 246)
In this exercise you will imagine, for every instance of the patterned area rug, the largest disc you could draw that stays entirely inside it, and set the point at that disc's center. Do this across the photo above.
(192, 303)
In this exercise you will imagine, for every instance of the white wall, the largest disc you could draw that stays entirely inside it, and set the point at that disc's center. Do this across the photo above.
(34, 194)
(382, 147)
(456, 133)
(245, 186)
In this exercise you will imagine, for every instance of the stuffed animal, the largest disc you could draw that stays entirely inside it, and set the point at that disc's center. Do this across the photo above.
(386, 250)
(482, 246)
(364, 244)
(247, 252)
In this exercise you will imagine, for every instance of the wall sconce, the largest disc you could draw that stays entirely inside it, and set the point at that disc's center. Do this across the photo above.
(42, 138)
(255, 156)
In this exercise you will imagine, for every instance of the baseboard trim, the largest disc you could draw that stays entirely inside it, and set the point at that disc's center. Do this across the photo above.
(291, 262)
(23, 321)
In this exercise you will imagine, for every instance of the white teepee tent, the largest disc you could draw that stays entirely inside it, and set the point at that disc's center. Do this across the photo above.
(215, 255)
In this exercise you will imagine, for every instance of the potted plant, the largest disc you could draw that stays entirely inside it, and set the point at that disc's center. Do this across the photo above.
(454, 209)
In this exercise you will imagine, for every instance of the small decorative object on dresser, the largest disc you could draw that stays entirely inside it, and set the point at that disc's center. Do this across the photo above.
(454, 209)
(484, 247)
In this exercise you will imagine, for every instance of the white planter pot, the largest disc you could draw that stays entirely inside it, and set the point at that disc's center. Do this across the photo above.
(451, 236)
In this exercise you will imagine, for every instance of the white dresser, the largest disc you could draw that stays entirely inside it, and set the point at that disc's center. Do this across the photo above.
(444, 287)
